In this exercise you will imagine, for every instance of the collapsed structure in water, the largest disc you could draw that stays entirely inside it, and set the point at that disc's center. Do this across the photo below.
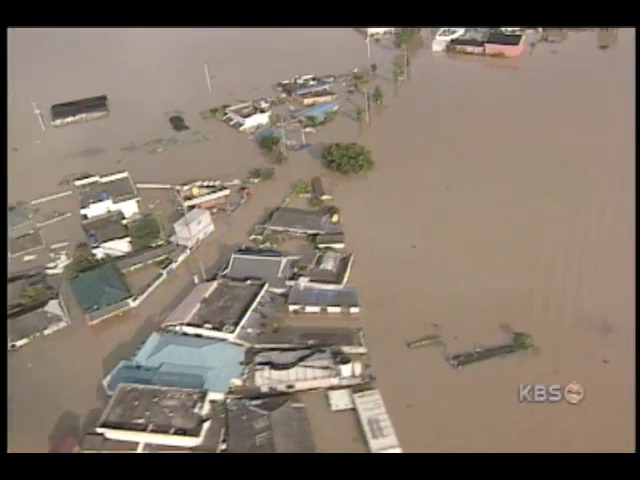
(519, 343)
(79, 110)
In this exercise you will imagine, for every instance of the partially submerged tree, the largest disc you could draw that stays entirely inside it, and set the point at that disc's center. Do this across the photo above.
(267, 173)
(378, 95)
(403, 36)
(82, 260)
(144, 232)
(347, 158)
(359, 113)
(273, 147)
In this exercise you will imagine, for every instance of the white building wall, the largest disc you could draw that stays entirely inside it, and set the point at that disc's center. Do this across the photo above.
(128, 208)
(113, 248)
(256, 120)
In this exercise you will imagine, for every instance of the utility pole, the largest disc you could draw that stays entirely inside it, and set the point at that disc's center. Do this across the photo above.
(366, 105)
(38, 114)
(369, 47)
(207, 75)
(406, 61)
(304, 140)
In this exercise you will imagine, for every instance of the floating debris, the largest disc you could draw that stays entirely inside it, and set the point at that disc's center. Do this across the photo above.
(426, 341)
(519, 343)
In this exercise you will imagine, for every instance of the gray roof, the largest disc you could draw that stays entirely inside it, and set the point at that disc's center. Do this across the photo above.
(323, 297)
(302, 221)
(118, 190)
(220, 305)
(34, 323)
(105, 228)
(271, 425)
(329, 267)
(305, 336)
(155, 409)
(26, 243)
(330, 238)
(274, 269)
(18, 217)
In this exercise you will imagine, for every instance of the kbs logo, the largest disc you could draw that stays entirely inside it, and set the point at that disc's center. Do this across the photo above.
(541, 393)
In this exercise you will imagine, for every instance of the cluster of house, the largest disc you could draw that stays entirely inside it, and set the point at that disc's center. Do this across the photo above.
(222, 372)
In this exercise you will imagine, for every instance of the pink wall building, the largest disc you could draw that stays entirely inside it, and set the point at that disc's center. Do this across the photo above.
(502, 45)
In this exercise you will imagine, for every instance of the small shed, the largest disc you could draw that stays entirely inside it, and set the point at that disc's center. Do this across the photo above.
(340, 400)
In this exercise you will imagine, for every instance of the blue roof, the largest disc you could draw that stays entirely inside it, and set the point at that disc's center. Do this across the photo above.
(319, 110)
(175, 360)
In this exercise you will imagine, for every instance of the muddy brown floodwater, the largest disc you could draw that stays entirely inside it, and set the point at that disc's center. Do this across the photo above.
(501, 196)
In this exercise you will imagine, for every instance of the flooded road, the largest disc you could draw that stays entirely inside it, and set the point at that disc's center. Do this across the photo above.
(500, 196)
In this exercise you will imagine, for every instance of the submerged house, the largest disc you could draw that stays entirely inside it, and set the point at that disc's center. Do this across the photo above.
(317, 112)
(298, 221)
(107, 235)
(309, 299)
(193, 228)
(266, 265)
(268, 425)
(101, 293)
(329, 269)
(24, 235)
(172, 360)
(108, 193)
(304, 369)
(504, 45)
(44, 321)
(79, 110)
(246, 116)
(148, 418)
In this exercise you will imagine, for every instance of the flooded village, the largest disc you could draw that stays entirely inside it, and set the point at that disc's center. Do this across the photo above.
(305, 260)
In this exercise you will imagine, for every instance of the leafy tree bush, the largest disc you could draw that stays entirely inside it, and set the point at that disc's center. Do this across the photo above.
(347, 158)
(144, 233)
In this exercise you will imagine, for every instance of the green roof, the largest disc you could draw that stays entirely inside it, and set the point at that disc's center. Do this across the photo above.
(99, 288)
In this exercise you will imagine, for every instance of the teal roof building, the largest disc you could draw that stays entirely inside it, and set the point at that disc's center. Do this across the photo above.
(99, 288)
(175, 360)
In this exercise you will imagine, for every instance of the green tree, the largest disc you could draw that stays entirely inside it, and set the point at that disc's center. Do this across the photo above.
(267, 173)
(144, 232)
(82, 260)
(374, 68)
(378, 95)
(269, 143)
(347, 158)
(273, 147)
(301, 187)
(275, 119)
(255, 174)
(403, 36)
(359, 113)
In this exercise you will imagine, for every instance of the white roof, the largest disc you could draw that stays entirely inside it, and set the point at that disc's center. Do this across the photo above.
(192, 217)
(265, 376)
(340, 400)
(375, 421)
